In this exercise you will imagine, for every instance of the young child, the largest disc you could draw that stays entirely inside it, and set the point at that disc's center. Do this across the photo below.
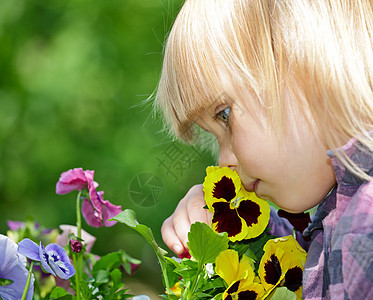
(286, 87)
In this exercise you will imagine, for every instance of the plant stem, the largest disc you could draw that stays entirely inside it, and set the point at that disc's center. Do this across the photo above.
(78, 259)
(77, 275)
(163, 263)
(195, 280)
(78, 216)
(24, 295)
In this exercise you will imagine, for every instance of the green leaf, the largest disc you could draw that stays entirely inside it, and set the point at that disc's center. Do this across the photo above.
(58, 292)
(128, 217)
(108, 262)
(171, 265)
(102, 276)
(205, 244)
(187, 269)
(282, 293)
(257, 243)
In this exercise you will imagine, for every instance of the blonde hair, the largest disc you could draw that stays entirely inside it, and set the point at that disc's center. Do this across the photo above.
(321, 50)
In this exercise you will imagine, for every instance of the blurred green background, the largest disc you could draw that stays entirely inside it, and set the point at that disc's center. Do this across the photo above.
(74, 76)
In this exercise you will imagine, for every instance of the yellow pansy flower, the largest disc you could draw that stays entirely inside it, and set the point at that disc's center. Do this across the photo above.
(236, 211)
(282, 265)
(239, 275)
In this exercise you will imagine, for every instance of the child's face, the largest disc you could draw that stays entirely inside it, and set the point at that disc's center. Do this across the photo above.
(293, 171)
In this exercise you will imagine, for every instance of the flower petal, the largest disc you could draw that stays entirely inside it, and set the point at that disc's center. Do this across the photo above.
(109, 211)
(220, 183)
(293, 279)
(44, 259)
(92, 216)
(255, 212)
(95, 197)
(57, 253)
(15, 225)
(250, 291)
(244, 290)
(224, 189)
(62, 270)
(228, 267)
(59, 261)
(29, 249)
(282, 255)
(74, 179)
(227, 220)
(12, 267)
(273, 270)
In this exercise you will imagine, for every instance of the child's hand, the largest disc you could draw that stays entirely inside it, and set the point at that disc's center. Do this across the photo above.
(189, 210)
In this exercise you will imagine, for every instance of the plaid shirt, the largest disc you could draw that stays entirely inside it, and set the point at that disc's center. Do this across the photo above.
(339, 264)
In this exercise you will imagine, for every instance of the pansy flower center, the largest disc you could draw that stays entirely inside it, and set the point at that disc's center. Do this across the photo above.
(235, 203)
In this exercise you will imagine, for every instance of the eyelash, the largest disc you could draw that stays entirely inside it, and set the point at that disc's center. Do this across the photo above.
(223, 115)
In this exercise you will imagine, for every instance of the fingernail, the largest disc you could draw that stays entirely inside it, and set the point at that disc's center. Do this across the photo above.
(177, 248)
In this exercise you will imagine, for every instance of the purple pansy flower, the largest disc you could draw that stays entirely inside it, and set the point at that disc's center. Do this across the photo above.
(53, 257)
(95, 210)
(13, 267)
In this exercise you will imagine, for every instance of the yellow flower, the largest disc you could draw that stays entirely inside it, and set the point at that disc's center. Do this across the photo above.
(239, 275)
(282, 265)
(239, 213)
(176, 289)
(228, 267)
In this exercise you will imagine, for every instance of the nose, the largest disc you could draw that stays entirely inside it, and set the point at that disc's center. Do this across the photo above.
(227, 158)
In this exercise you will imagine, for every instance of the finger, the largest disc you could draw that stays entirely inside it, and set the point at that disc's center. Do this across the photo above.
(181, 222)
(170, 237)
(195, 206)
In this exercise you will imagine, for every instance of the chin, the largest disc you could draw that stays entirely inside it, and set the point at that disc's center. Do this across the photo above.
(294, 210)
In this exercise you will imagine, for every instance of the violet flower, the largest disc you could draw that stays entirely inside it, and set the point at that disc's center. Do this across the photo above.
(53, 257)
(13, 267)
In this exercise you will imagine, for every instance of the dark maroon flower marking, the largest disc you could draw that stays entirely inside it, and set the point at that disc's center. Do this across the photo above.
(233, 288)
(247, 295)
(249, 211)
(293, 279)
(225, 189)
(227, 219)
(272, 270)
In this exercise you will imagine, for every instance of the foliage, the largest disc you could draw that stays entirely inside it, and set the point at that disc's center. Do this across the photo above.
(264, 267)
(73, 79)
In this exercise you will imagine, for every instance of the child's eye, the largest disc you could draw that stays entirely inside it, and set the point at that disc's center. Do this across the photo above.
(223, 115)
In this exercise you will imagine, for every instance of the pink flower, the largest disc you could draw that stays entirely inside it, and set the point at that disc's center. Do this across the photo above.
(97, 211)
(74, 179)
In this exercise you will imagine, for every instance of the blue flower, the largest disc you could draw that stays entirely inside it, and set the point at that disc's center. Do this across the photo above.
(53, 258)
(13, 268)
